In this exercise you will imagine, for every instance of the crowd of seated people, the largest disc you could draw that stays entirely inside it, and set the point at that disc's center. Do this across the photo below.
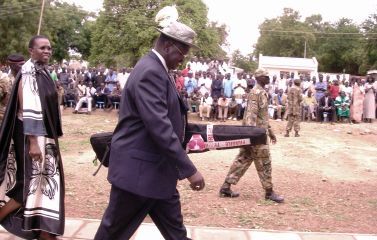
(327, 100)
(213, 90)
(214, 96)
(90, 88)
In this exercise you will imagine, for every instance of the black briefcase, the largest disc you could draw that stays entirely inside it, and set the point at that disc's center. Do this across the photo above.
(101, 144)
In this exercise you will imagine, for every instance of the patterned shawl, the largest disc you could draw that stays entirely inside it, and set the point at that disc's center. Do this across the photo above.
(43, 208)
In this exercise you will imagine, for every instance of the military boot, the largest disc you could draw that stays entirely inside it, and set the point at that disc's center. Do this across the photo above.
(271, 195)
(227, 192)
(286, 134)
(296, 134)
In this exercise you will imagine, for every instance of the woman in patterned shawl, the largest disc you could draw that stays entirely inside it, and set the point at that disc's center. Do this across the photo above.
(31, 171)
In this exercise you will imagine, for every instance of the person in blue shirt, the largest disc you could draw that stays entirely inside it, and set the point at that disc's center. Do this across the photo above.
(228, 86)
(320, 88)
(190, 83)
(111, 79)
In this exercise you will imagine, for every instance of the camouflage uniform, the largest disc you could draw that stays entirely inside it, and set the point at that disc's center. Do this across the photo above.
(5, 88)
(294, 108)
(256, 114)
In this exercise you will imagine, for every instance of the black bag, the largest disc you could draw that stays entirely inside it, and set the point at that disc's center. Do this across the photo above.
(101, 144)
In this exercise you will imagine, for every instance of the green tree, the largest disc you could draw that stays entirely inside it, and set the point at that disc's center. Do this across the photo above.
(370, 28)
(126, 30)
(68, 28)
(285, 36)
(64, 24)
(245, 62)
(18, 22)
(341, 47)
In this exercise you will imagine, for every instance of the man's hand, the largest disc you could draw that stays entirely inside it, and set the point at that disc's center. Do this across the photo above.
(272, 136)
(34, 150)
(273, 139)
(196, 181)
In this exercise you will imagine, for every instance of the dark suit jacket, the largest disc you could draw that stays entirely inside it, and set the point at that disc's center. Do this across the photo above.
(106, 90)
(147, 157)
(322, 102)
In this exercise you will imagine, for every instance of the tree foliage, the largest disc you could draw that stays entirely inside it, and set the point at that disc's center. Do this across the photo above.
(64, 24)
(125, 30)
(278, 36)
(67, 27)
(370, 29)
(245, 62)
(18, 22)
(340, 46)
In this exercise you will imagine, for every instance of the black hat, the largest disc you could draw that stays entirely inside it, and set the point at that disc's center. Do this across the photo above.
(16, 58)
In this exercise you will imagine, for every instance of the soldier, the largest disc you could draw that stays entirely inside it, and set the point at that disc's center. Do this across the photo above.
(294, 108)
(256, 114)
(15, 62)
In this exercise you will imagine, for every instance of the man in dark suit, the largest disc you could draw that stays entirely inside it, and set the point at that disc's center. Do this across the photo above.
(101, 94)
(326, 105)
(147, 158)
(90, 76)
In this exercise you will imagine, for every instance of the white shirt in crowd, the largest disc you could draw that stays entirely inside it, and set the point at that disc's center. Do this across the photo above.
(122, 79)
(207, 101)
(239, 90)
(81, 88)
(347, 90)
(204, 67)
(306, 85)
(207, 85)
(282, 84)
(193, 66)
(89, 92)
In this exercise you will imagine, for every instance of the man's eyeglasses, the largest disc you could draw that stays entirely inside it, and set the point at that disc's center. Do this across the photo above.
(180, 51)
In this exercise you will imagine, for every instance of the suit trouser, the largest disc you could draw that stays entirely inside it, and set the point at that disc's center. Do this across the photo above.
(331, 112)
(126, 211)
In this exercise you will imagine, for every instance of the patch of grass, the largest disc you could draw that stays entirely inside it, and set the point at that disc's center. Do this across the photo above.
(84, 142)
(373, 203)
(245, 219)
(265, 202)
(306, 201)
(340, 217)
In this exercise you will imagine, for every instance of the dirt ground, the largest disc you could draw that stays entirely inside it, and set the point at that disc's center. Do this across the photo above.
(328, 177)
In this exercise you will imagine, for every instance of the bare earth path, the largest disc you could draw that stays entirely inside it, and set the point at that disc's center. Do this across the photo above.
(328, 177)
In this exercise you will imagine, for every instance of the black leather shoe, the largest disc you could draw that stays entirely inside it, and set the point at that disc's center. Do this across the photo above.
(274, 197)
(227, 192)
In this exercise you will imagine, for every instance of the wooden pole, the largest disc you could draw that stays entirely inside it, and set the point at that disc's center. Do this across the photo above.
(40, 17)
(305, 50)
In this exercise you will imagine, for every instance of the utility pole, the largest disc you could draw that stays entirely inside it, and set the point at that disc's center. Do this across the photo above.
(305, 49)
(40, 17)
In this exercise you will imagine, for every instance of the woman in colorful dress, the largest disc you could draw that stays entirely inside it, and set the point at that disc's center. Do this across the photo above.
(357, 101)
(370, 100)
(342, 104)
